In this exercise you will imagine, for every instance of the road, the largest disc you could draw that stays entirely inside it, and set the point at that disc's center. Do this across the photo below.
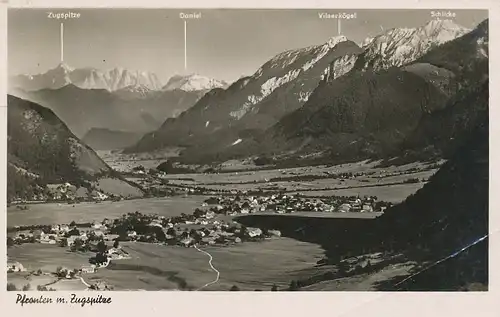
(211, 265)
(84, 283)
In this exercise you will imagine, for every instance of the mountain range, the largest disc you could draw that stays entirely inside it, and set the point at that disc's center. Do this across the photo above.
(115, 79)
(336, 101)
(86, 78)
(115, 101)
(370, 113)
(280, 86)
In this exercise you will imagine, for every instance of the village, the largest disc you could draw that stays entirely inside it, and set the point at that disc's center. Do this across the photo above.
(283, 203)
(210, 225)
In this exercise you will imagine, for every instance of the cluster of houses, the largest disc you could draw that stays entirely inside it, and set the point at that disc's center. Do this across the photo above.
(282, 203)
(67, 192)
(295, 176)
(200, 228)
(77, 238)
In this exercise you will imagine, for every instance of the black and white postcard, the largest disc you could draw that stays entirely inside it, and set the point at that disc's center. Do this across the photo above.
(247, 149)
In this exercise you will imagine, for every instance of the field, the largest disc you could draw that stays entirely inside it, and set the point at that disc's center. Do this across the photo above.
(87, 212)
(250, 266)
(392, 184)
(125, 162)
(390, 193)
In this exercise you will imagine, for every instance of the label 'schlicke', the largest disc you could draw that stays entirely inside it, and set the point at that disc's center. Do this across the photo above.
(443, 14)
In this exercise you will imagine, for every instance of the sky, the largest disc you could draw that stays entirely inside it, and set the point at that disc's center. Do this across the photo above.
(224, 43)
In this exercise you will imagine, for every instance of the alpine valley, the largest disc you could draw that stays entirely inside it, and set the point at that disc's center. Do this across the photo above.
(348, 165)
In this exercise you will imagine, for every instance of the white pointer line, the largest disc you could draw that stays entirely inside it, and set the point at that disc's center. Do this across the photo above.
(62, 42)
(444, 259)
(185, 45)
(339, 26)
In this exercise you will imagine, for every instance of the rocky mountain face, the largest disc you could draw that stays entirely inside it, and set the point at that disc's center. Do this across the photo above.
(254, 103)
(130, 110)
(86, 78)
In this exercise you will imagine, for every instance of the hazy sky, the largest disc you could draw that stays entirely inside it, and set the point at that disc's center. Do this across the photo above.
(223, 44)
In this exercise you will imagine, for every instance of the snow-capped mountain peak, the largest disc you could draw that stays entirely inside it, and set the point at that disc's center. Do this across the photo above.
(193, 82)
(64, 67)
(336, 40)
(86, 78)
(399, 46)
(443, 30)
(366, 42)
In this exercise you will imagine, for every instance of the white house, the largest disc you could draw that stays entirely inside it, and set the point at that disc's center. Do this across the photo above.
(254, 232)
(345, 208)
(15, 267)
(367, 208)
(88, 269)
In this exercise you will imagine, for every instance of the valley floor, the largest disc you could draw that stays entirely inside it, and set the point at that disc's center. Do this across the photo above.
(273, 262)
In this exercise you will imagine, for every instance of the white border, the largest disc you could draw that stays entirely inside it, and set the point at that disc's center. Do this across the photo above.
(253, 304)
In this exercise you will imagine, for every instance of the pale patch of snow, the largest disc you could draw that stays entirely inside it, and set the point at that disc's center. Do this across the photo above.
(366, 42)
(236, 142)
(332, 42)
(304, 96)
(207, 123)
